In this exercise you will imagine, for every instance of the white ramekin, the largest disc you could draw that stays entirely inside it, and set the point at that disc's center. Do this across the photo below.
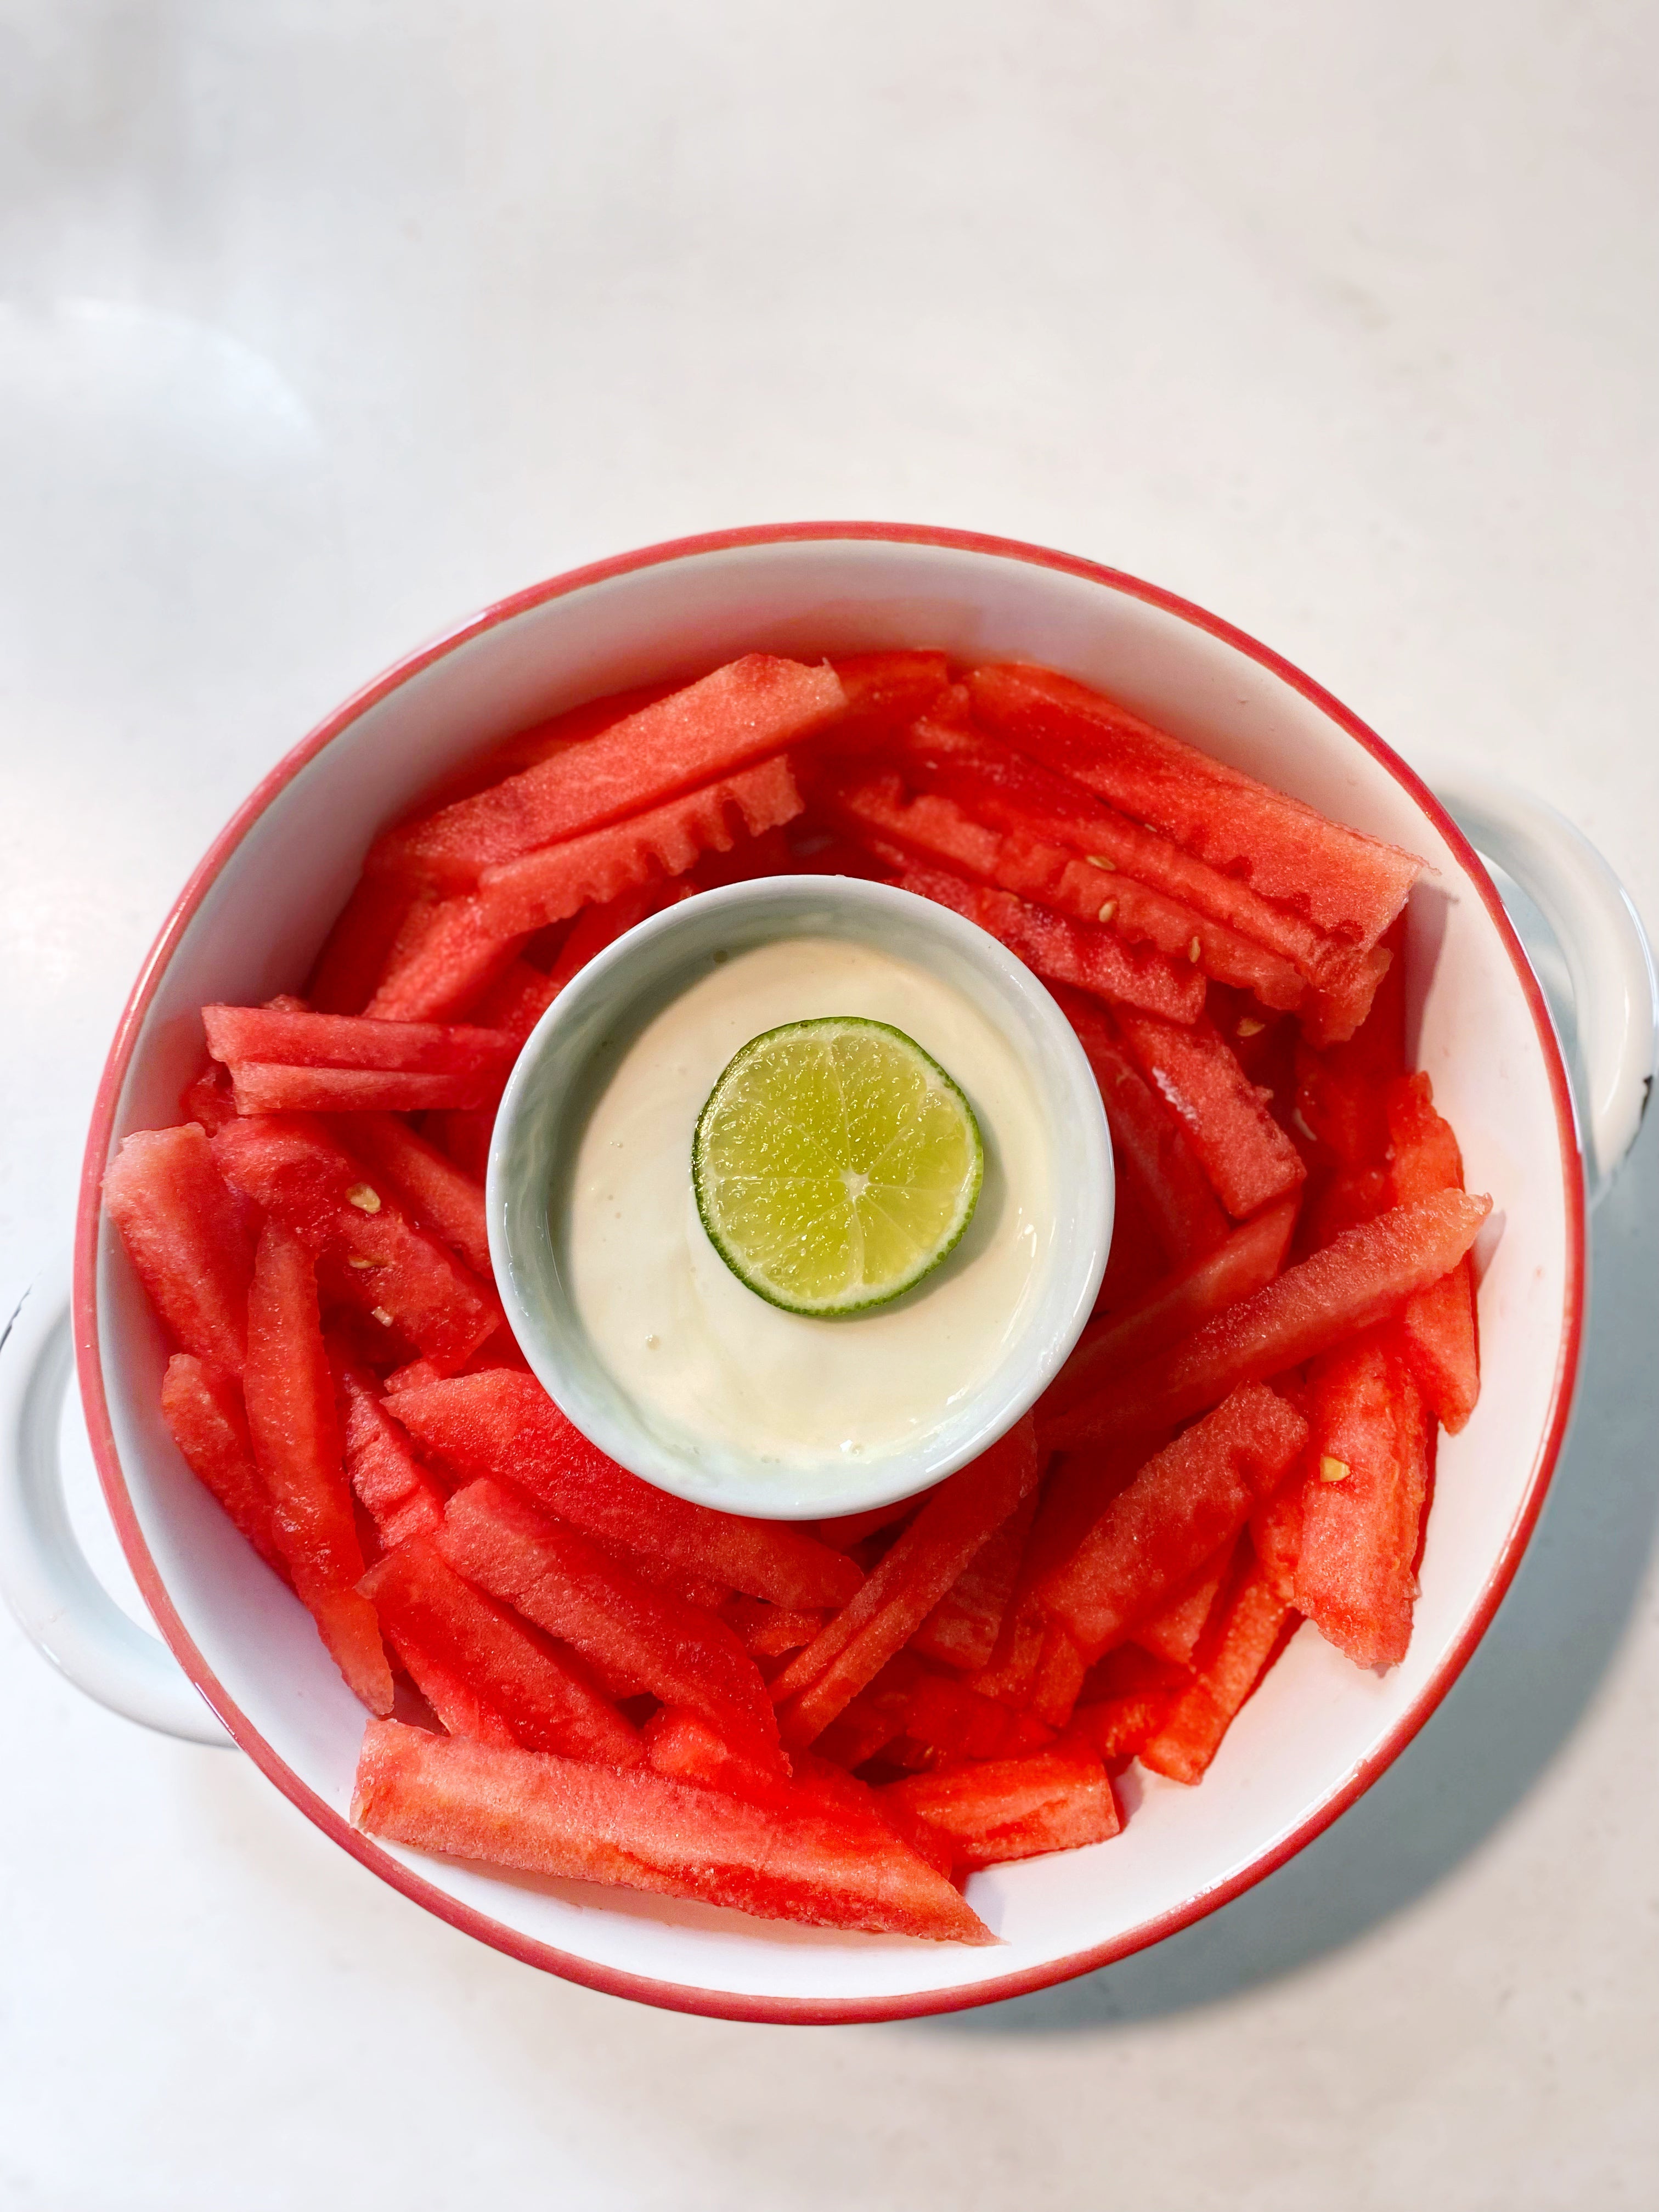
(543, 1111)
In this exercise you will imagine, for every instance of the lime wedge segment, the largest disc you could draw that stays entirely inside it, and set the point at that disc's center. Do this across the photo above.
(836, 1163)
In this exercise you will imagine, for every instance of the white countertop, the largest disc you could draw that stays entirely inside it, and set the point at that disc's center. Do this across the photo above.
(325, 322)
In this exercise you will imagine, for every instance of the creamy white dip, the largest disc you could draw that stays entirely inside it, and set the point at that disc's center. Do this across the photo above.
(711, 1367)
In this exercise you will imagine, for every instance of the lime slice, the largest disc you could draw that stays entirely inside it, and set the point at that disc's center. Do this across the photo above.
(836, 1163)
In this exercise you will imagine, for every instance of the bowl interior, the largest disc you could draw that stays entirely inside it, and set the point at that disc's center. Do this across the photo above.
(579, 1041)
(1318, 1723)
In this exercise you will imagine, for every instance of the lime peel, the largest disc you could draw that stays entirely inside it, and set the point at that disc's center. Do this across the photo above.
(836, 1164)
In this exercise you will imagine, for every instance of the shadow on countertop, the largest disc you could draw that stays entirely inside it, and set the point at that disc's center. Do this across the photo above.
(1508, 1717)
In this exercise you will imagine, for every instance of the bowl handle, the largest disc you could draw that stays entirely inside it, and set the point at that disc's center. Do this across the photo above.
(59, 1602)
(1608, 960)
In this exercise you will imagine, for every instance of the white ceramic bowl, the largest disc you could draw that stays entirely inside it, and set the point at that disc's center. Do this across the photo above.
(546, 1103)
(248, 925)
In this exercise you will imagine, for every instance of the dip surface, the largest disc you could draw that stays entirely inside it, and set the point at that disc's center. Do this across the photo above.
(712, 1367)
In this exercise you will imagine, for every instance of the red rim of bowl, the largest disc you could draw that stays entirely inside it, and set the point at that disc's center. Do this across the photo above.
(805, 2011)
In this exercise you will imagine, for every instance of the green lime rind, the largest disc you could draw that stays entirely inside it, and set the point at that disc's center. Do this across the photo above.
(835, 1165)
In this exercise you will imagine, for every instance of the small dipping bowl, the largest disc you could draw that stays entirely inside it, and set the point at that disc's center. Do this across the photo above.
(579, 1042)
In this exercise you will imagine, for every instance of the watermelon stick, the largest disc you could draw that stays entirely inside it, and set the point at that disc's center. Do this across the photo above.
(884, 690)
(1186, 1503)
(1357, 1280)
(1174, 1632)
(1075, 1493)
(404, 1498)
(1083, 953)
(1243, 938)
(852, 1649)
(1173, 1308)
(542, 1697)
(1013, 792)
(440, 1197)
(469, 940)
(1126, 1700)
(1150, 1146)
(557, 880)
(372, 1256)
(185, 1238)
(1014, 1808)
(265, 1086)
(1362, 1504)
(1437, 1324)
(204, 1410)
(753, 707)
(527, 747)
(1245, 1153)
(943, 829)
(807, 1861)
(236, 1034)
(635, 1638)
(354, 955)
(296, 1432)
(1343, 882)
(1241, 1644)
(962, 1628)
